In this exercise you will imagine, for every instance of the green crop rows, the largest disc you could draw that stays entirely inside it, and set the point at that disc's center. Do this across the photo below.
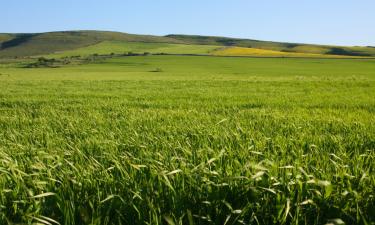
(189, 140)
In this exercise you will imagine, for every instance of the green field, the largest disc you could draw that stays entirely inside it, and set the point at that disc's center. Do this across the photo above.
(204, 140)
(66, 43)
(117, 47)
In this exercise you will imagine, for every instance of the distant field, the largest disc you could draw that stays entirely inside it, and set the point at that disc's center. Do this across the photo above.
(202, 141)
(23, 45)
(240, 51)
(87, 42)
(117, 47)
(276, 46)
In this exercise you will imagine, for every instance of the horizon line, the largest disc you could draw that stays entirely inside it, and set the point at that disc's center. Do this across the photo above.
(183, 34)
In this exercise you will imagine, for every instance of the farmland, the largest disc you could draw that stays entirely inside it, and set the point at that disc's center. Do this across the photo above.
(117, 47)
(254, 52)
(90, 42)
(166, 139)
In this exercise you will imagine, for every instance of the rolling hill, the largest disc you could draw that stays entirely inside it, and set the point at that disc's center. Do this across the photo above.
(120, 47)
(258, 52)
(276, 46)
(47, 43)
(67, 43)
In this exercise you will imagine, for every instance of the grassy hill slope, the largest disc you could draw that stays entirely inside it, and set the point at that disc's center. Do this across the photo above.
(276, 46)
(5, 37)
(82, 42)
(257, 52)
(120, 47)
(46, 43)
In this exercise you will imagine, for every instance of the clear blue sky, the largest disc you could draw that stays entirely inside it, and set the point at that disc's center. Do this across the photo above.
(341, 22)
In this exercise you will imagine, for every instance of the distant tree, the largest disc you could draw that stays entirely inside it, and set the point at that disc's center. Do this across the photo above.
(42, 60)
(66, 61)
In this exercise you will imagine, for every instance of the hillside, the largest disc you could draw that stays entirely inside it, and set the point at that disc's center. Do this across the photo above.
(66, 43)
(47, 43)
(276, 46)
(5, 37)
(258, 52)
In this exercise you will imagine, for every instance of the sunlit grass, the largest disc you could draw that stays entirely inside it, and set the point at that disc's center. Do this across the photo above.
(207, 140)
(239, 51)
(108, 47)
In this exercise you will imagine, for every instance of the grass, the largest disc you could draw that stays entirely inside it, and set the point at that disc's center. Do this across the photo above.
(257, 52)
(208, 140)
(25, 45)
(5, 37)
(31, 45)
(118, 47)
(276, 46)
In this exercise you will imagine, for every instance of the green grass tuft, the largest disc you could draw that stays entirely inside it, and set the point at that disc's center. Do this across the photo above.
(210, 140)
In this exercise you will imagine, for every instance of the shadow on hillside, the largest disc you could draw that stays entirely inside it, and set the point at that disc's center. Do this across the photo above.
(22, 38)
